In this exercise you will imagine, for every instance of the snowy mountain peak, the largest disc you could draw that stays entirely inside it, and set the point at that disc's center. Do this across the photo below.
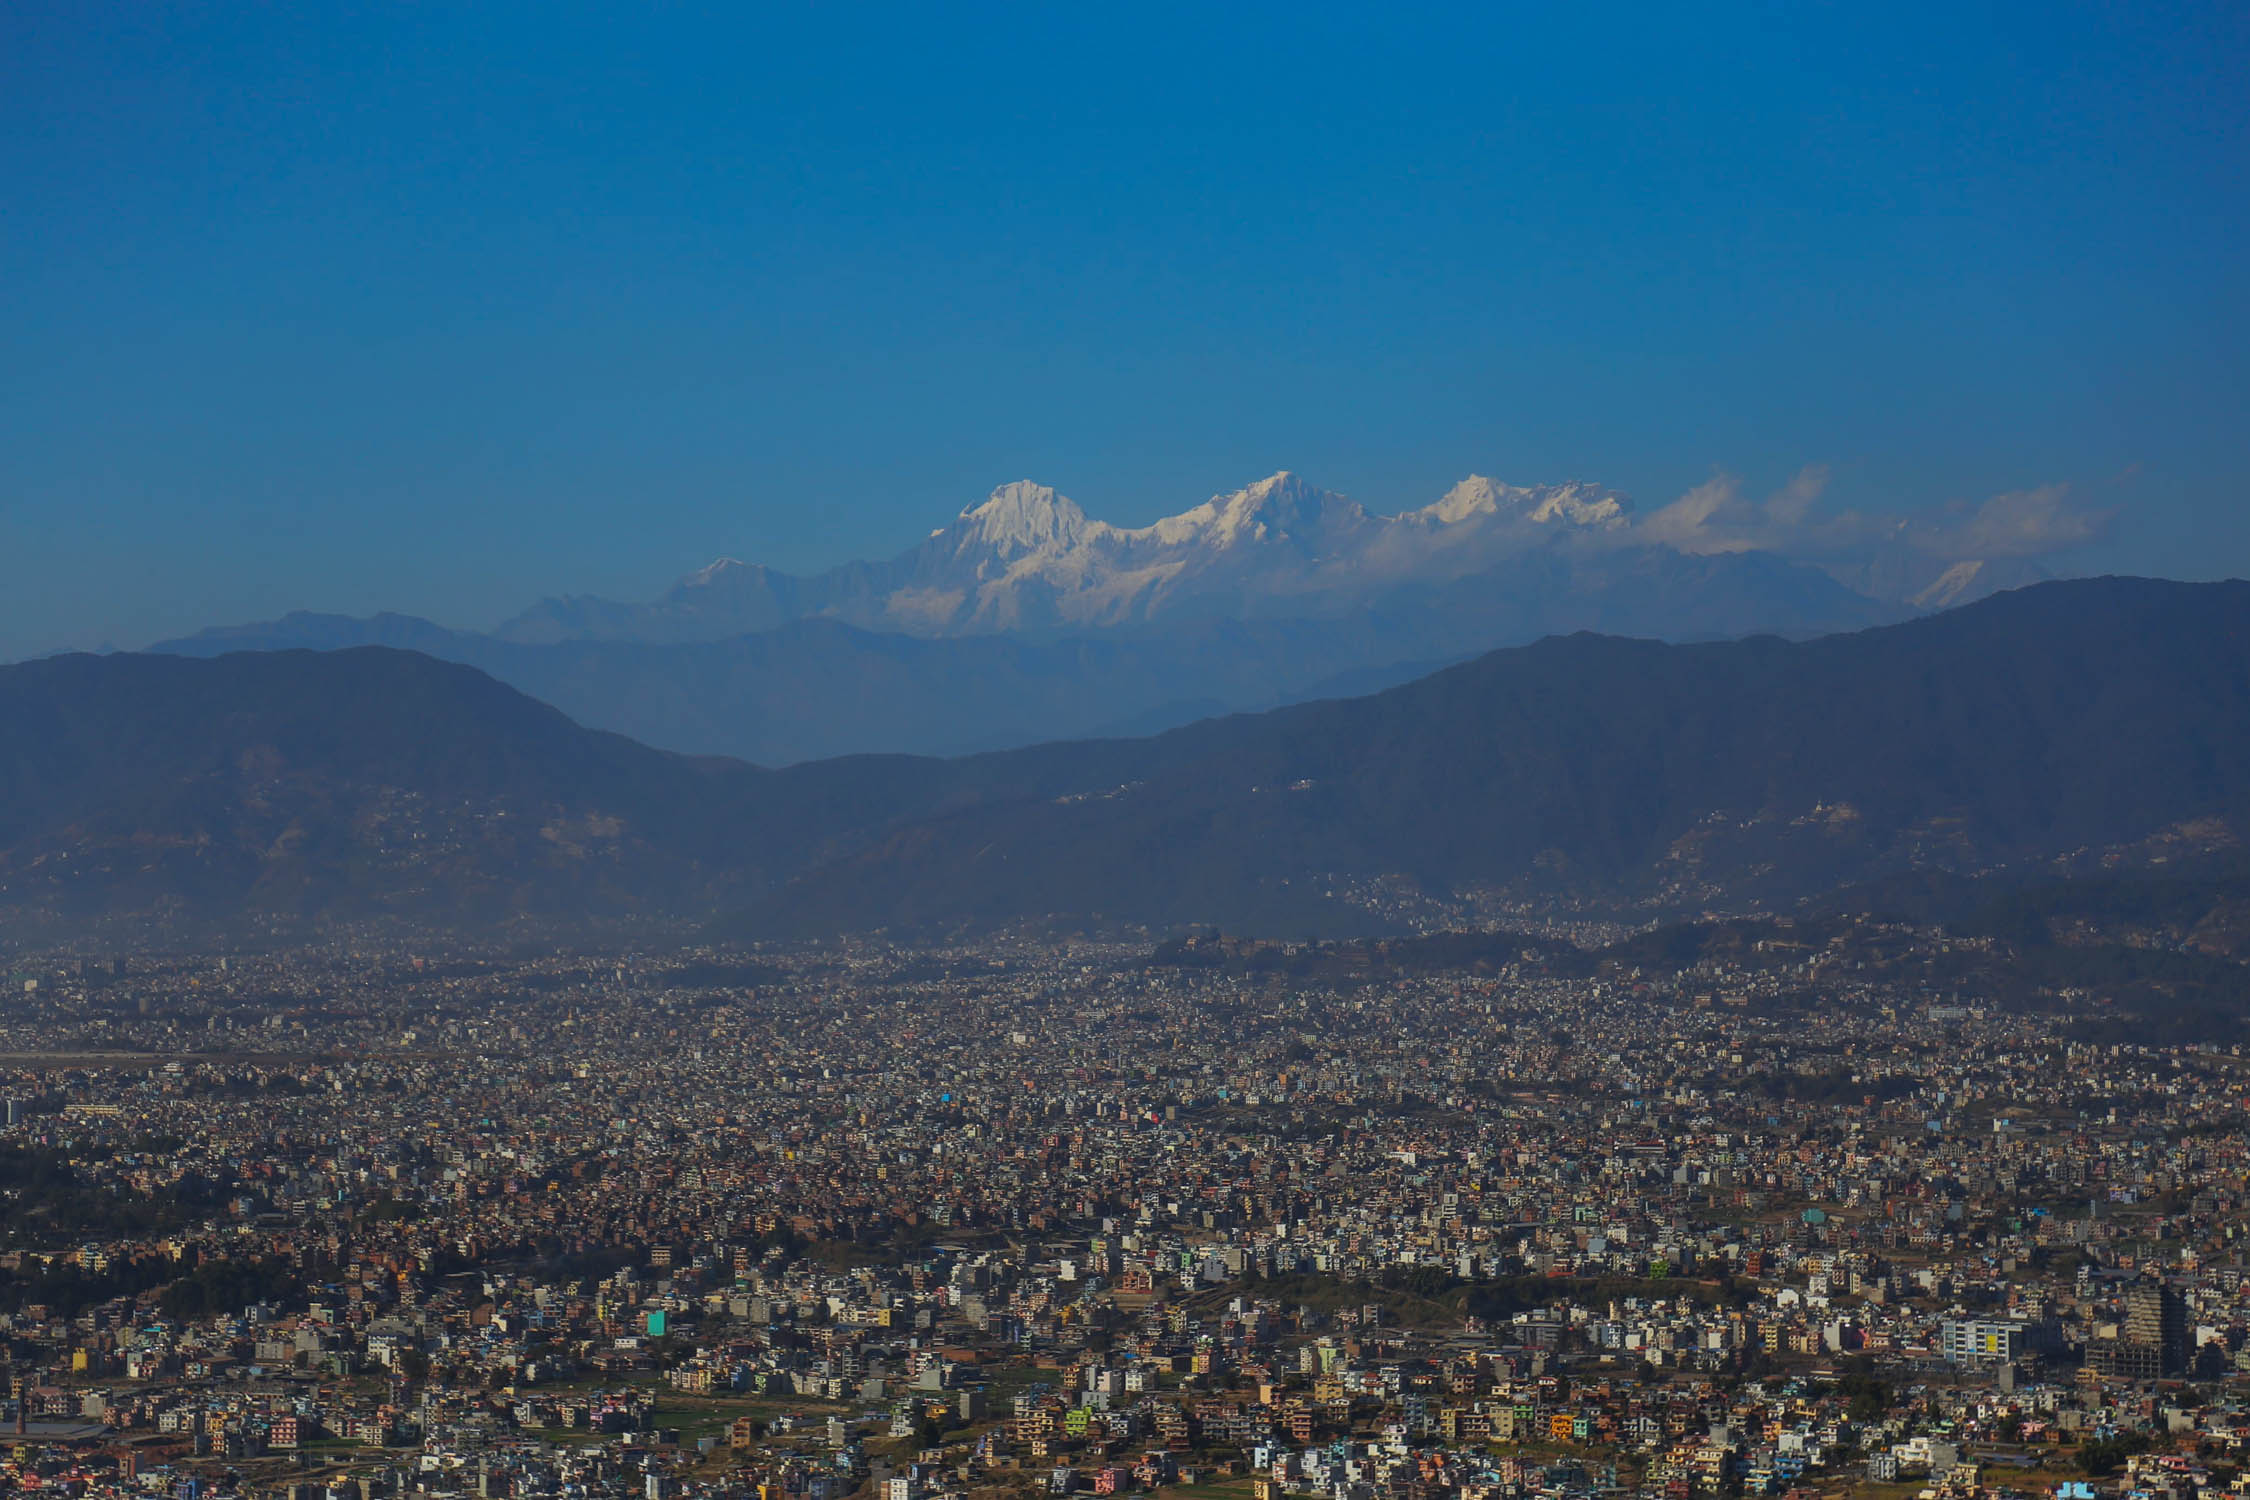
(1579, 504)
(716, 571)
(1575, 503)
(1282, 498)
(1951, 587)
(1279, 507)
(1473, 496)
(1022, 517)
(1027, 558)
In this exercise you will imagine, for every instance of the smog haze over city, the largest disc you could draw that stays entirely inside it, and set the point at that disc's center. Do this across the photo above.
(1272, 753)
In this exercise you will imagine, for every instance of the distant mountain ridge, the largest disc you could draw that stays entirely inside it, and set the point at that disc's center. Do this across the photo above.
(1028, 560)
(1024, 620)
(814, 688)
(2071, 726)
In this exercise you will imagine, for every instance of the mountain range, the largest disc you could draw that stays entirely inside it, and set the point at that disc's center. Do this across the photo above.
(1027, 559)
(2084, 725)
(1024, 620)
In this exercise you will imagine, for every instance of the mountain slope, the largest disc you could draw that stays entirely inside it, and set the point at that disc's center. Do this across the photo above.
(355, 780)
(2063, 726)
(2034, 726)
(816, 688)
(292, 786)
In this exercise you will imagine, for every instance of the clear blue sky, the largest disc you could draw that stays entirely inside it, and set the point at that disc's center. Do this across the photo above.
(442, 308)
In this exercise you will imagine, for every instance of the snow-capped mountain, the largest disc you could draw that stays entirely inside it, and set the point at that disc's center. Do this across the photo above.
(1027, 558)
(1023, 618)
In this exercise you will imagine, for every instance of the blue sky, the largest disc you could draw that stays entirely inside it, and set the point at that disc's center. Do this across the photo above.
(443, 308)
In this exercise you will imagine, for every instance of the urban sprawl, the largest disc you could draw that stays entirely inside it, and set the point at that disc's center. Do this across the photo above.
(1049, 1217)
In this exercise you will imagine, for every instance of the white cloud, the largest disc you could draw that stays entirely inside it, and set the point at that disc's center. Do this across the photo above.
(2019, 523)
(1789, 505)
(1716, 516)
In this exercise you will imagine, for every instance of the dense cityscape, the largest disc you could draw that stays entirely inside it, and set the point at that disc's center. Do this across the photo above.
(1059, 1216)
(1252, 752)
